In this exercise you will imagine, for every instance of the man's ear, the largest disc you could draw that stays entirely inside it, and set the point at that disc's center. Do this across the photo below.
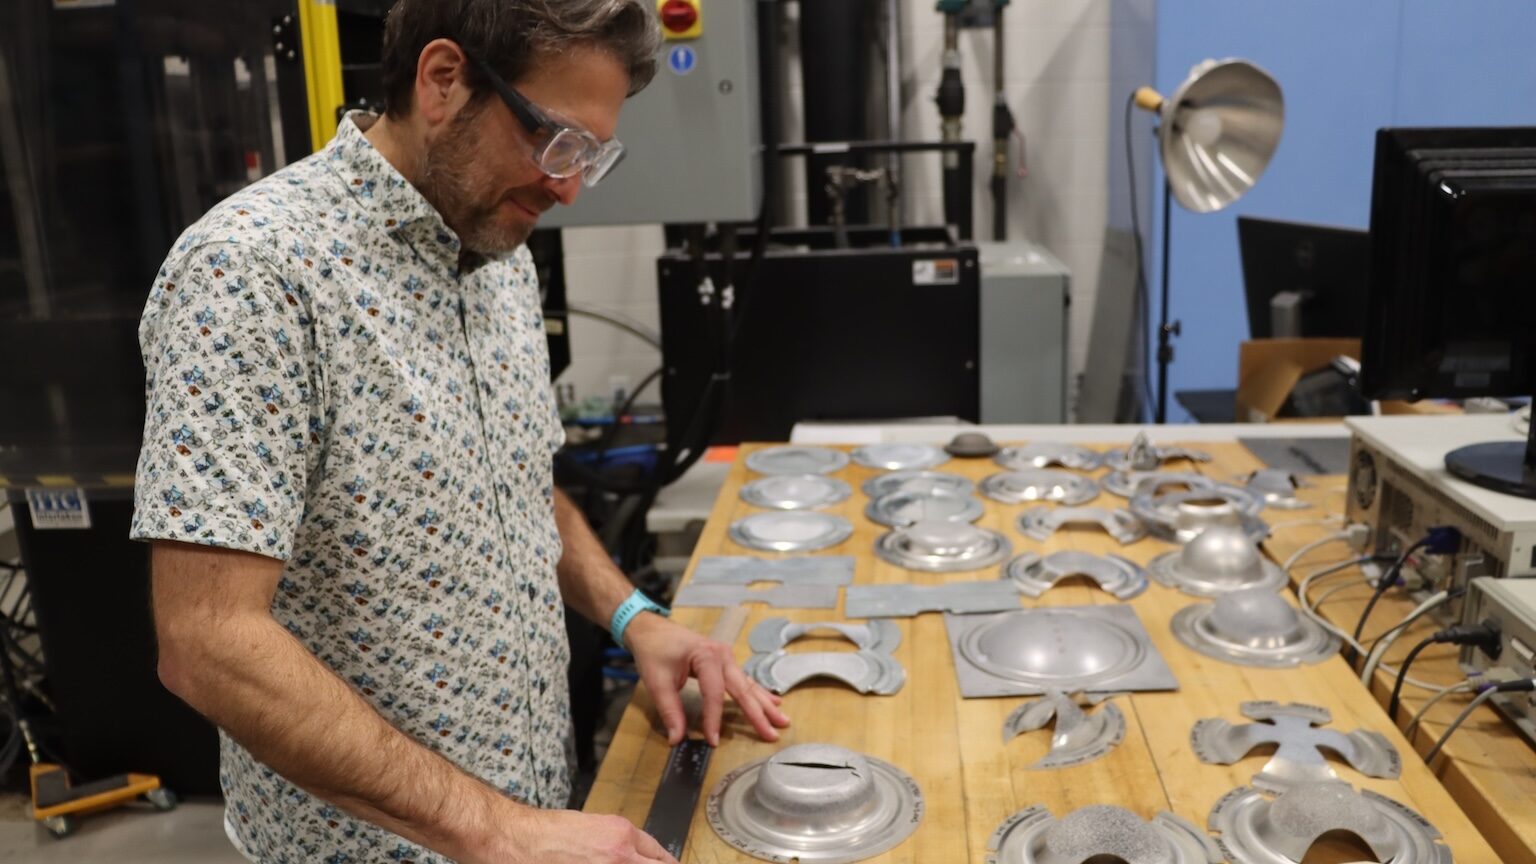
(441, 84)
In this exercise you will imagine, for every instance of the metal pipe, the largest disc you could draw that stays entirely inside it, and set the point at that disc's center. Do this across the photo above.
(893, 116)
(1002, 128)
(1166, 330)
(951, 100)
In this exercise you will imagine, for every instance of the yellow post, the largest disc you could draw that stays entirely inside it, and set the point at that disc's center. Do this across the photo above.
(322, 67)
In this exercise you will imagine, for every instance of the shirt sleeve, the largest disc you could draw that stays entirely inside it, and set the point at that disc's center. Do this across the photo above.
(232, 417)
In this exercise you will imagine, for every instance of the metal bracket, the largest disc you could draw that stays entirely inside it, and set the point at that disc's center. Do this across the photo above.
(1033, 575)
(1299, 758)
(1078, 737)
(779, 597)
(1041, 522)
(905, 601)
(745, 570)
(864, 671)
(772, 634)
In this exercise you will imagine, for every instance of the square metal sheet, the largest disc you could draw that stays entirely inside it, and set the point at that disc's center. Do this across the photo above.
(745, 570)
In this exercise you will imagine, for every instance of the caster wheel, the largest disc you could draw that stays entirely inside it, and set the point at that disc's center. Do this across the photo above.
(61, 826)
(162, 799)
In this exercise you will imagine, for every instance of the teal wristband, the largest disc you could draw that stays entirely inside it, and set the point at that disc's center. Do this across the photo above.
(633, 605)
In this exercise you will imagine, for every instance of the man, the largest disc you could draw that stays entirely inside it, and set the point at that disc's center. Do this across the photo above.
(359, 556)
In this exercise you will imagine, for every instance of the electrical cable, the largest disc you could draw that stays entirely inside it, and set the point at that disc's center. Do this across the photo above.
(1526, 685)
(1387, 580)
(1384, 642)
(1402, 672)
(633, 328)
(1485, 636)
(1458, 687)
(1310, 612)
(1309, 547)
(1143, 299)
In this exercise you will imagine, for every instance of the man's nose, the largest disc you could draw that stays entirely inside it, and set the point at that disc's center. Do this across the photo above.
(564, 189)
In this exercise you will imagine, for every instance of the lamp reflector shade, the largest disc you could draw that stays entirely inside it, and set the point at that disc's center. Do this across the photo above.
(1219, 131)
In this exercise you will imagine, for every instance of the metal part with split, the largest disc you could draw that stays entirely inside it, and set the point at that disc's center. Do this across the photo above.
(865, 671)
(1181, 516)
(1298, 759)
(1256, 829)
(815, 804)
(771, 634)
(905, 601)
(908, 507)
(1078, 736)
(794, 459)
(1099, 832)
(1127, 483)
(746, 570)
(1220, 560)
(899, 457)
(1034, 574)
(1099, 649)
(1044, 454)
(942, 547)
(1143, 456)
(1276, 489)
(795, 491)
(1254, 627)
(779, 596)
(790, 531)
(1041, 522)
(917, 481)
(1039, 484)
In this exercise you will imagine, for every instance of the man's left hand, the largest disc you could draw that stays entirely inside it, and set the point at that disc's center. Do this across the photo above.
(668, 654)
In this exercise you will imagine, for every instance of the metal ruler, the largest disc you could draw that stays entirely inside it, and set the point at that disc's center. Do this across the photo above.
(678, 795)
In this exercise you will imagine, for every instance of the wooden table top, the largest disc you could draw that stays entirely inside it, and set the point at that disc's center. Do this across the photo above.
(972, 780)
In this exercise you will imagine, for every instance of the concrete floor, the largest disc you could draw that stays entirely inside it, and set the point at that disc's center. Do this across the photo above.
(193, 833)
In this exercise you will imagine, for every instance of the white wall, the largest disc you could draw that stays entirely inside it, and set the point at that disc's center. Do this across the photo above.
(1059, 85)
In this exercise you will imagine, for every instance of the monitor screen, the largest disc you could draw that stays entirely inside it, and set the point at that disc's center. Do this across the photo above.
(1452, 300)
(1327, 267)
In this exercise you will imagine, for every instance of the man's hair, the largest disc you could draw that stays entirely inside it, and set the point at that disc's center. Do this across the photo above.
(512, 35)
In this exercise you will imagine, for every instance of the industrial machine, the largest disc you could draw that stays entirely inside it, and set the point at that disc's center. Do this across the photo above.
(1510, 605)
(1026, 297)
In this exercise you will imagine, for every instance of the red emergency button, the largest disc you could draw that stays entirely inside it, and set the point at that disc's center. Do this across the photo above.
(678, 16)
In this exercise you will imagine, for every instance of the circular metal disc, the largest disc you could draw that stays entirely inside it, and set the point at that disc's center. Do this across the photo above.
(1033, 575)
(1046, 454)
(943, 547)
(1018, 487)
(1253, 628)
(1052, 648)
(797, 460)
(815, 804)
(899, 457)
(917, 481)
(902, 507)
(790, 531)
(1219, 560)
(1181, 516)
(1256, 829)
(1098, 832)
(795, 491)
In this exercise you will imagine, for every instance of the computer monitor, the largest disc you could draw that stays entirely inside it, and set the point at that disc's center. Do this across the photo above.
(1452, 300)
(1320, 273)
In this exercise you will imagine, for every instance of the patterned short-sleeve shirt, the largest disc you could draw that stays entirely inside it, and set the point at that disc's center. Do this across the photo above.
(329, 386)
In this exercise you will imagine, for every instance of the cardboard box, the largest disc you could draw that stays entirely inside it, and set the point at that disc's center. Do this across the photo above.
(1268, 369)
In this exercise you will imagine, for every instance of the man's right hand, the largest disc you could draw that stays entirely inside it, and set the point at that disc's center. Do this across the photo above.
(570, 837)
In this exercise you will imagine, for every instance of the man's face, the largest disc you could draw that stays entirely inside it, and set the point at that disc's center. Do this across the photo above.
(478, 170)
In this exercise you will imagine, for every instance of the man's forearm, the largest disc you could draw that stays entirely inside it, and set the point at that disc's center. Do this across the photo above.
(589, 580)
(259, 684)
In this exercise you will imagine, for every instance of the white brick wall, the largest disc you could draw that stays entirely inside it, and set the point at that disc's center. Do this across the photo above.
(1059, 85)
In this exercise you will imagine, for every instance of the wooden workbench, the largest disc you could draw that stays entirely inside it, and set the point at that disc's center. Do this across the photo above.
(971, 779)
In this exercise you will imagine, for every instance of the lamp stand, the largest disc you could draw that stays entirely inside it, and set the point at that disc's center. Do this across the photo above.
(1165, 330)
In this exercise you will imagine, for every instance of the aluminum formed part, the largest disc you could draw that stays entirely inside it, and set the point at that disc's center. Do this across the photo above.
(1143, 456)
(1033, 574)
(1101, 649)
(905, 601)
(795, 459)
(790, 531)
(899, 457)
(917, 481)
(795, 491)
(1276, 489)
(1038, 484)
(1298, 758)
(971, 445)
(1040, 523)
(942, 547)
(908, 507)
(1181, 516)
(746, 570)
(865, 671)
(1255, 627)
(815, 804)
(1045, 454)
(1127, 483)
(772, 634)
(779, 596)
(1078, 737)
(1255, 829)
(1099, 831)
(1220, 560)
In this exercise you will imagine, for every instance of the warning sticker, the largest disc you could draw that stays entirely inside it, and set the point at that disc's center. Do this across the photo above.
(58, 508)
(936, 271)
